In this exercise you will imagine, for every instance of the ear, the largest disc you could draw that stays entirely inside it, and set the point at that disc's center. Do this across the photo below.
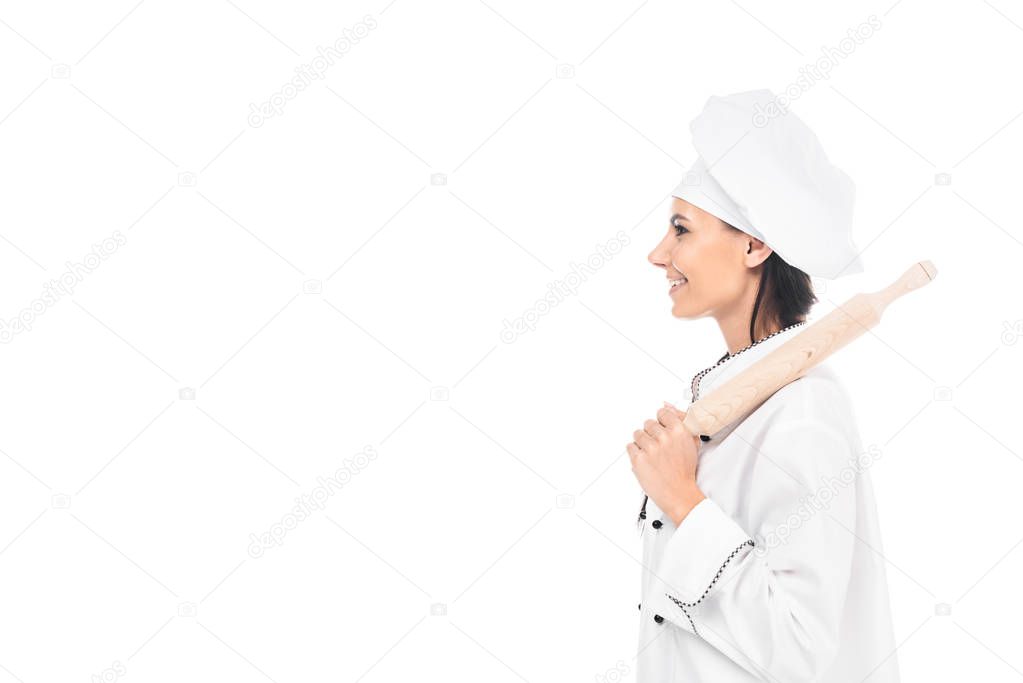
(756, 252)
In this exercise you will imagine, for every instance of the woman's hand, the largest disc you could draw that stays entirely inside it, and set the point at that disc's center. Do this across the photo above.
(664, 457)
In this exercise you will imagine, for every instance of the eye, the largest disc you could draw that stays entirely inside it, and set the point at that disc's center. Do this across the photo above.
(679, 229)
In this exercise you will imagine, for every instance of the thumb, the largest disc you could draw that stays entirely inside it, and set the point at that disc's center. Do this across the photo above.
(681, 413)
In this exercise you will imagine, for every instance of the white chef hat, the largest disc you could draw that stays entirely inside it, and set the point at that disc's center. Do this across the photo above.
(762, 170)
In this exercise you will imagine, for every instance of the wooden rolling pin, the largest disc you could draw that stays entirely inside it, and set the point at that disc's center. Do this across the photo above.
(794, 358)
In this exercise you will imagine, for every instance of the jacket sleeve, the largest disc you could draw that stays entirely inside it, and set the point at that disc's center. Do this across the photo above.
(769, 594)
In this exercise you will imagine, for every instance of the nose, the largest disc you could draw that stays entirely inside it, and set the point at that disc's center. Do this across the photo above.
(660, 256)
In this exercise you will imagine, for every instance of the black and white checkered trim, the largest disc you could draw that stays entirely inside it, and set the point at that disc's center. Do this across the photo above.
(684, 605)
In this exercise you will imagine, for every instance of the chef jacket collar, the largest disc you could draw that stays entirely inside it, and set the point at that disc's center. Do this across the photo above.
(732, 365)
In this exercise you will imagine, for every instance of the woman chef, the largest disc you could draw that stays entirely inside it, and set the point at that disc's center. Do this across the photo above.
(763, 563)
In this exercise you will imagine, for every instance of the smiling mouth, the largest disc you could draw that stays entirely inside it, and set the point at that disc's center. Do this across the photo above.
(675, 285)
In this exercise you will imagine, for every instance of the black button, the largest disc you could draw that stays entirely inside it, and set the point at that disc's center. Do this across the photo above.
(658, 618)
(642, 515)
(704, 437)
(639, 606)
(657, 524)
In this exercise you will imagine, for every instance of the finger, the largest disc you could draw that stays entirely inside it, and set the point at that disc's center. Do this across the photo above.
(634, 452)
(653, 428)
(670, 417)
(642, 439)
(674, 408)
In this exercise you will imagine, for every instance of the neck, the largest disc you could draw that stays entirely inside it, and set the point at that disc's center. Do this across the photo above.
(735, 323)
(740, 339)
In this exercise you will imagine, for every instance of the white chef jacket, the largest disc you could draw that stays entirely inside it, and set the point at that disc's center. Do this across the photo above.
(777, 574)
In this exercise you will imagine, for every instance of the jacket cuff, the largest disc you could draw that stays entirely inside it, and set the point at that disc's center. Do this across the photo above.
(703, 546)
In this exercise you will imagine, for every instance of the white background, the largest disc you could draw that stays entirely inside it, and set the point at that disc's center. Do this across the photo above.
(450, 165)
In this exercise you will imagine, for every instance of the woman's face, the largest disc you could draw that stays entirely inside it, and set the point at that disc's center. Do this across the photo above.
(711, 258)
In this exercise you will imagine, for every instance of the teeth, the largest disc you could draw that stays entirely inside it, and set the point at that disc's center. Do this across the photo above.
(679, 281)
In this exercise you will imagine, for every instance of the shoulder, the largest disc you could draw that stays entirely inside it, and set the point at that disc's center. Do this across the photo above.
(819, 400)
(807, 429)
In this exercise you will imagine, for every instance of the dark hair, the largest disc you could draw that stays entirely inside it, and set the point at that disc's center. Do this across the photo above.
(785, 294)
